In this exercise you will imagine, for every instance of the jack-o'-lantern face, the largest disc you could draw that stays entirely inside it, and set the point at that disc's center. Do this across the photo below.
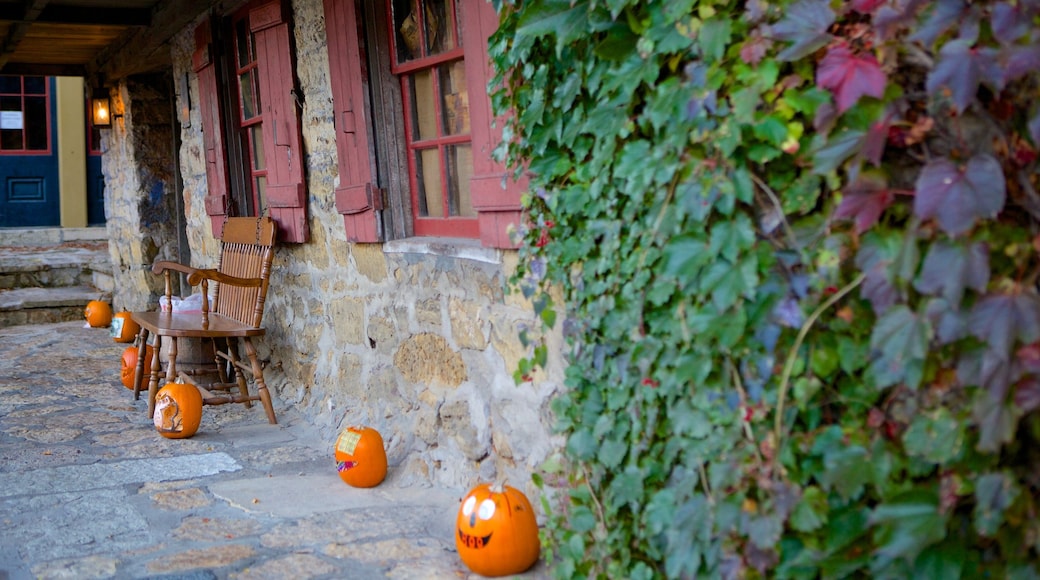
(496, 532)
(473, 513)
(178, 410)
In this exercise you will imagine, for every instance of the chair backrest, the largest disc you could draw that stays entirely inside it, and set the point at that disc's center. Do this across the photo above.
(247, 250)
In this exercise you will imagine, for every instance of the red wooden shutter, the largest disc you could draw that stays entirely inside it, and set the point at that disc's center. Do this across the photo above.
(496, 196)
(283, 144)
(212, 128)
(357, 197)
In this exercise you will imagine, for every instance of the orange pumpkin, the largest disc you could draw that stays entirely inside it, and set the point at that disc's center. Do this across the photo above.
(496, 532)
(129, 366)
(178, 410)
(98, 313)
(360, 457)
(124, 329)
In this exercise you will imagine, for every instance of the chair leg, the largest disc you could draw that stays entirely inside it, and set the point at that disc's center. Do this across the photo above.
(240, 379)
(153, 376)
(258, 376)
(142, 342)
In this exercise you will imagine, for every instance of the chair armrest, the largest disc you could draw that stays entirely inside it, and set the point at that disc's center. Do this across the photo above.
(196, 275)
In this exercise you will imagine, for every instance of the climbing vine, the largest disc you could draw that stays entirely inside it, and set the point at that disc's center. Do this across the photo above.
(794, 246)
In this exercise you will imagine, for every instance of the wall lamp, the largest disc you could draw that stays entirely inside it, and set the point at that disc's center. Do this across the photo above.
(101, 109)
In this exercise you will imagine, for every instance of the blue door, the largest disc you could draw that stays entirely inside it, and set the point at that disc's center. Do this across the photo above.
(95, 179)
(29, 189)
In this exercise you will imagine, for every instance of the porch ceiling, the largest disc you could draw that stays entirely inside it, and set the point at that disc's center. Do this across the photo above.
(96, 39)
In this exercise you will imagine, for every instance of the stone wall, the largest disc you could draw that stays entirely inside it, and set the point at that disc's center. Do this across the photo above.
(417, 338)
(138, 165)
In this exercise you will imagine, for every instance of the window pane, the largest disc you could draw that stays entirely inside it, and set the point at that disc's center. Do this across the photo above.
(36, 123)
(459, 161)
(9, 84)
(256, 138)
(261, 194)
(35, 85)
(439, 36)
(428, 177)
(424, 115)
(10, 139)
(407, 29)
(245, 87)
(242, 43)
(454, 99)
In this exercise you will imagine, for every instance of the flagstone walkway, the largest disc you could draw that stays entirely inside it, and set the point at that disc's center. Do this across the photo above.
(89, 489)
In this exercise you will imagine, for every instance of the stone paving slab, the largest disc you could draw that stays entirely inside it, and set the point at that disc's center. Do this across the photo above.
(88, 489)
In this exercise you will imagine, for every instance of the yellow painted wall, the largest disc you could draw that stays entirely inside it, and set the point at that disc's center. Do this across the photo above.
(72, 151)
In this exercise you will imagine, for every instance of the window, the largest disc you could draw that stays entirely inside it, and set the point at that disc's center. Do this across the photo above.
(409, 88)
(24, 118)
(429, 62)
(250, 120)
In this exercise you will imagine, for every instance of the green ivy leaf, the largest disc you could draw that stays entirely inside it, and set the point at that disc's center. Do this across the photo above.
(731, 238)
(829, 154)
(771, 130)
(811, 512)
(568, 22)
(943, 560)
(843, 471)
(714, 37)
(905, 525)
(996, 421)
(685, 255)
(994, 494)
(900, 344)
(935, 436)
(582, 519)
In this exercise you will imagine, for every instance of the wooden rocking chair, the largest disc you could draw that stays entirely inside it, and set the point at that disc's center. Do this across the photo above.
(247, 249)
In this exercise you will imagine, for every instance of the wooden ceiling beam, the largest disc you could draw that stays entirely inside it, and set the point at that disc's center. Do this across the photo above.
(147, 50)
(30, 12)
(56, 14)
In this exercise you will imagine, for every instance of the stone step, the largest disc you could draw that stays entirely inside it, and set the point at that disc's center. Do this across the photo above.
(44, 305)
(70, 264)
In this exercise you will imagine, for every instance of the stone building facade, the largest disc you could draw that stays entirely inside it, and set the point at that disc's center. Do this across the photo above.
(416, 336)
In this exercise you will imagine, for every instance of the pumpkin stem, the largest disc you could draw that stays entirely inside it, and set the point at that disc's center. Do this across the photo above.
(499, 486)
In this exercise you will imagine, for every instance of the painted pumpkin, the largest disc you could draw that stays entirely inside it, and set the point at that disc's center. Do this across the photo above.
(129, 366)
(178, 410)
(124, 329)
(496, 532)
(360, 457)
(98, 314)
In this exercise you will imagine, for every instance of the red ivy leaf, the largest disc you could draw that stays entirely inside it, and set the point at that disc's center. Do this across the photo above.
(1009, 22)
(961, 68)
(865, 6)
(864, 201)
(874, 143)
(805, 24)
(755, 48)
(1027, 394)
(999, 319)
(944, 15)
(958, 197)
(850, 76)
(950, 267)
(1021, 60)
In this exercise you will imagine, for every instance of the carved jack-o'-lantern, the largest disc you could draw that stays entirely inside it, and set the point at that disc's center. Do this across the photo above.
(123, 328)
(129, 366)
(496, 532)
(178, 410)
(360, 457)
